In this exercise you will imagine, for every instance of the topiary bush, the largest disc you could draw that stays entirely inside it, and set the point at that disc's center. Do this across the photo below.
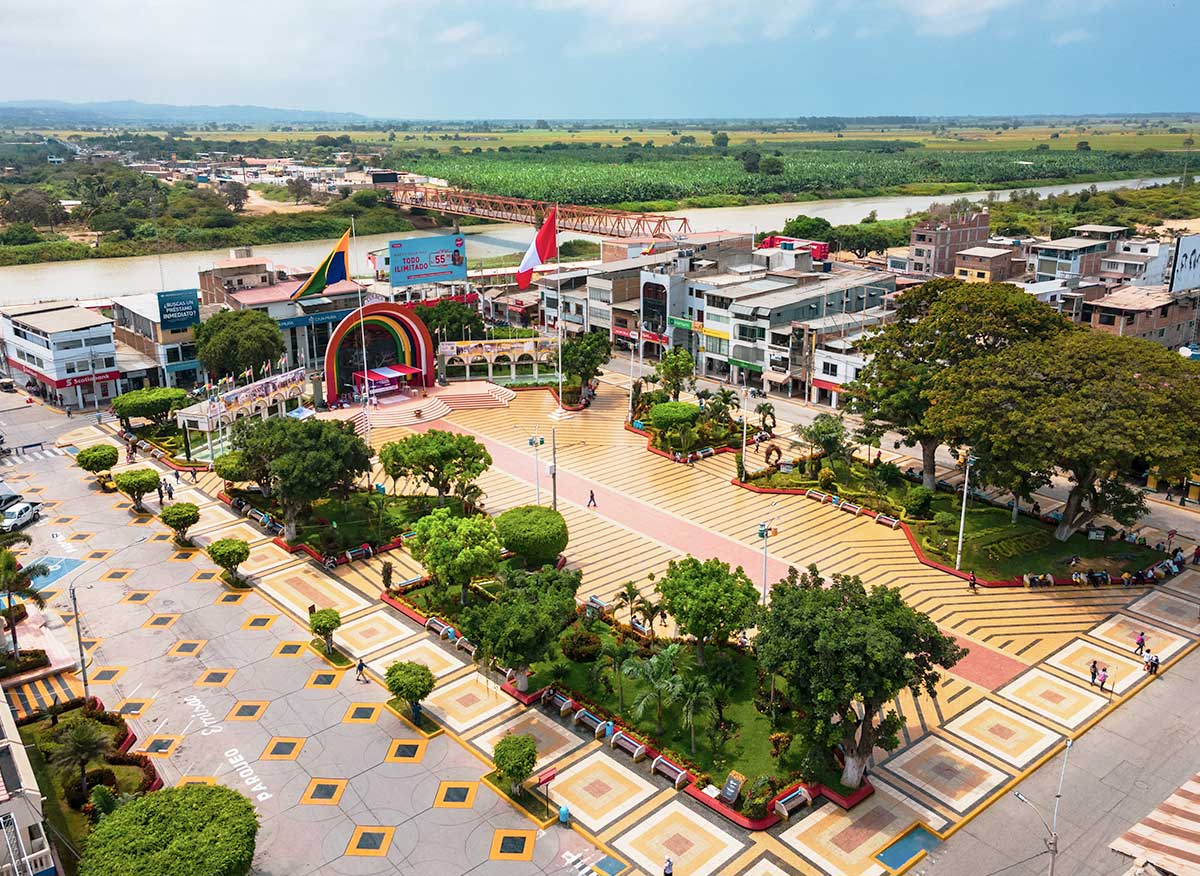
(945, 521)
(672, 415)
(579, 645)
(534, 533)
(918, 501)
(827, 480)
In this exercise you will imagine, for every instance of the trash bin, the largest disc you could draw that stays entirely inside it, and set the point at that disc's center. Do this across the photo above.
(564, 816)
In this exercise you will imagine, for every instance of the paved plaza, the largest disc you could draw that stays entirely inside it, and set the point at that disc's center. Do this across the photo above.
(209, 676)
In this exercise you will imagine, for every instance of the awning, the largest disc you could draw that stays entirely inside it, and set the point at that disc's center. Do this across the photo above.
(827, 385)
(395, 371)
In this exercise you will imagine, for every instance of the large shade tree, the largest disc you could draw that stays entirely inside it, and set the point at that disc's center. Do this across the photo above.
(939, 325)
(452, 321)
(153, 403)
(709, 600)
(676, 369)
(441, 460)
(586, 354)
(455, 550)
(1089, 405)
(231, 341)
(846, 652)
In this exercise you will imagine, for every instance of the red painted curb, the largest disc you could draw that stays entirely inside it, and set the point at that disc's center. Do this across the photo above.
(733, 815)
(404, 609)
(526, 699)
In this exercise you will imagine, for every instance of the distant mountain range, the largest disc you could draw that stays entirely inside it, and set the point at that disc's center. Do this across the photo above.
(60, 114)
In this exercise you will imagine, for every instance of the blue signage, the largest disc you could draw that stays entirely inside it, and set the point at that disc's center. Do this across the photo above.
(178, 309)
(311, 319)
(428, 259)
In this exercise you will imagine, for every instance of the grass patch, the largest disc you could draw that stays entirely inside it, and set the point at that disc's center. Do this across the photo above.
(337, 658)
(426, 725)
(531, 802)
(271, 192)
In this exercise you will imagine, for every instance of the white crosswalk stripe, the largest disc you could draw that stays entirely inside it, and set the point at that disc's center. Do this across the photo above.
(17, 457)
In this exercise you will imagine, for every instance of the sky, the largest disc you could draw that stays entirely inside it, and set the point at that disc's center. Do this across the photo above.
(495, 59)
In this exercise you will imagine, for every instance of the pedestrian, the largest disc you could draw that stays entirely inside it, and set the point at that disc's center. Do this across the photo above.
(1095, 671)
(170, 492)
(668, 867)
(68, 413)
(176, 475)
(360, 669)
(1154, 665)
(591, 499)
(1102, 678)
(1147, 657)
(1141, 643)
(1168, 497)
(193, 476)
(160, 494)
(973, 582)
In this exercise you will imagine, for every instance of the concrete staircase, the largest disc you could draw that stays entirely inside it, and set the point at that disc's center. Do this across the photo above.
(474, 396)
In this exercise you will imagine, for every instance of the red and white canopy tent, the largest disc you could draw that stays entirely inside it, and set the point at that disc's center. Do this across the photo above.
(385, 378)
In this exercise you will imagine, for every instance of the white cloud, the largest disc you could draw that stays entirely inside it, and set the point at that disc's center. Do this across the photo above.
(701, 22)
(948, 18)
(466, 32)
(1067, 37)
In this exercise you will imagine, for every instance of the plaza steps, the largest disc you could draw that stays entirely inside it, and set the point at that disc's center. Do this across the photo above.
(36, 696)
(473, 396)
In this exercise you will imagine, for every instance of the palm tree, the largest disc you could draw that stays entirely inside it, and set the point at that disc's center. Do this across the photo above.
(649, 609)
(618, 654)
(16, 580)
(628, 598)
(660, 683)
(727, 398)
(79, 743)
(766, 412)
(688, 439)
(694, 695)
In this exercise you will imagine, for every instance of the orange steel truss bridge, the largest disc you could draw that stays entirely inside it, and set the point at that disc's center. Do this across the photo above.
(571, 217)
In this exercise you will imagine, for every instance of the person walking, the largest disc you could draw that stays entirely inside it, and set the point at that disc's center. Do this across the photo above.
(1141, 643)
(591, 503)
(1196, 556)
(359, 670)
(1102, 678)
(973, 582)
(170, 492)
(160, 493)
(68, 413)
(176, 475)
(1154, 665)
(194, 476)
(1095, 671)
(668, 867)
(1147, 658)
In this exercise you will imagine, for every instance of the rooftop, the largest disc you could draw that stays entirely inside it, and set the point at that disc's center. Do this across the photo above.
(250, 261)
(51, 318)
(1100, 229)
(1069, 243)
(787, 293)
(1136, 258)
(283, 292)
(985, 252)
(1135, 298)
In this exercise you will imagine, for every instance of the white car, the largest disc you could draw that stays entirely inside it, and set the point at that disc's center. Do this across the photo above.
(18, 515)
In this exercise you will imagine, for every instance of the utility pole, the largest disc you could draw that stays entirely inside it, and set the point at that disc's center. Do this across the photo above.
(79, 642)
(536, 443)
(962, 517)
(553, 470)
(1051, 839)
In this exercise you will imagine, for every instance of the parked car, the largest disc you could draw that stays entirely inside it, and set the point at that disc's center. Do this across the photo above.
(7, 500)
(7, 384)
(18, 516)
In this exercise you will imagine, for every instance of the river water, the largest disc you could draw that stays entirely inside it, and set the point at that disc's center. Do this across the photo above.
(105, 278)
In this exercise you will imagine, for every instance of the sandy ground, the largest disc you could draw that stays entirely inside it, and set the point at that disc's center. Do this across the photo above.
(259, 206)
(1188, 226)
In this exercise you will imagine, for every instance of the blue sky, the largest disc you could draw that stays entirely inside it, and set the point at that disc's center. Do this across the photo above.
(612, 58)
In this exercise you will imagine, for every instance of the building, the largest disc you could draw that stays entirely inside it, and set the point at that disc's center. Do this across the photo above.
(1067, 258)
(1066, 296)
(988, 264)
(65, 353)
(27, 849)
(167, 345)
(1136, 261)
(825, 353)
(1148, 312)
(934, 243)
(1109, 233)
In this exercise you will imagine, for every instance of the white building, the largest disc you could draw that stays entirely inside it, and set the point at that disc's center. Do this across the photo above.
(1138, 261)
(24, 840)
(63, 352)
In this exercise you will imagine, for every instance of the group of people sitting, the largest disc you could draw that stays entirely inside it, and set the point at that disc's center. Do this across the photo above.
(1098, 578)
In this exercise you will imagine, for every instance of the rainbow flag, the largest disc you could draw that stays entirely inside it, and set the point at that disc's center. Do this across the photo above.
(334, 269)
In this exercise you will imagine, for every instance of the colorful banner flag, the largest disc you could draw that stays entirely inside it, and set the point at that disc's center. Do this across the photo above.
(333, 269)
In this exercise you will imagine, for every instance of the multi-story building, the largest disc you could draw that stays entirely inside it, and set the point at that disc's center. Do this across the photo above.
(66, 353)
(935, 242)
(167, 340)
(1136, 261)
(25, 849)
(825, 354)
(1148, 312)
(1067, 258)
(988, 264)
(1109, 233)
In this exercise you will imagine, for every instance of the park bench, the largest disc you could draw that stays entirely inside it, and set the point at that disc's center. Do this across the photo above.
(639, 425)
(597, 606)
(818, 496)
(157, 454)
(437, 626)
(262, 518)
(851, 508)
(884, 520)
(793, 801)
(597, 725)
(674, 773)
(627, 744)
(554, 699)
(465, 645)
(358, 553)
(706, 452)
(638, 627)
(274, 526)
(407, 535)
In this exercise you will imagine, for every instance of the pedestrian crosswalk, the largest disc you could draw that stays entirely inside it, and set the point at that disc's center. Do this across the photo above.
(19, 456)
(37, 696)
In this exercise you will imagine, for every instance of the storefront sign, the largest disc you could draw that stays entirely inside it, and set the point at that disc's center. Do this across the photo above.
(681, 323)
(178, 309)
(66, 382)
(713, 333)
(749, 366)
(428, 259)
(311, 319)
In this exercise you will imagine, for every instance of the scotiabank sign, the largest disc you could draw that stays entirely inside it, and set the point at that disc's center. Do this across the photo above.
(66, 382)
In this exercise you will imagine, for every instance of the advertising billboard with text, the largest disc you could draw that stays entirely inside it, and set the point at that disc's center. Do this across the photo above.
(178, 309)
(1186, 274)
(428, 259)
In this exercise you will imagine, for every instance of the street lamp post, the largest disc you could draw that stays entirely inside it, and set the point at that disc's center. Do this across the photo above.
(1051, 839)
(962, 517)
(536, 442)
(79, 641)
(765, 531)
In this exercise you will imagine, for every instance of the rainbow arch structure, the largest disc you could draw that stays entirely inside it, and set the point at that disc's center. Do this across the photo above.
(414, 345)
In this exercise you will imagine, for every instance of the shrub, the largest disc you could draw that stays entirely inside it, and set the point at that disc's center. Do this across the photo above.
(671, 415)
(535, 534)
(757, 795)
(97, 458)
(918, 501)
(73, 791)
(579, 645)
(827, 480)
(945, 521)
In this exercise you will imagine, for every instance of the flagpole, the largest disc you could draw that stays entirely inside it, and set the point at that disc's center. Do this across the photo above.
(558, 274)
(362, 329)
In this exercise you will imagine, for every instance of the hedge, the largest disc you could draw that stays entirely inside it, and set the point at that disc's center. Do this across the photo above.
(672, 415)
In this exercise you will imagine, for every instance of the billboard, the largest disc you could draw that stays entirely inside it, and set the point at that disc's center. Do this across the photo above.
(428, 259)
(178, 309)
(290, 383)
(1186, 272)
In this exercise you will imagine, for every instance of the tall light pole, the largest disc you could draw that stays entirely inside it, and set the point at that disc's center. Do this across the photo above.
(1051, 840)
(765, 531)
(962, 517)
(79, 642)
(536, 442)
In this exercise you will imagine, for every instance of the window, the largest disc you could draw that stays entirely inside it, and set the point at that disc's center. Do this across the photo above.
(68, 345)
(1108, 319)
(980, 274)
(829, 369)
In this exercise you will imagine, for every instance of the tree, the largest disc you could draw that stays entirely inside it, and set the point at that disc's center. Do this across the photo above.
(808, 228)
(846, 653)
(667, 416)
(153, 403)
(231, 341)
(520, 627)
(1089, 405)
(534, 533)
(766, 416)
(707, 599)
(321, 456)
(136, 483)
(694, 696)
(452, 320)
(299, 188)
(750, 160)
(436, 458)
(659, 681)
(939, 325)
(259, 442)
(720, 139)
(675, 370)
(456, 550)
(35, 207)
(236, 196)
(514, 757)
(180, 517)
(826, 433)
(17, 581)
(97, 458)
(79, 742)
(771, 166)
(185, 831)
(617, 653)
(229, 553)
(232, 467)
(411, 682)
(627, 597)
(586, 354)
(322, 623)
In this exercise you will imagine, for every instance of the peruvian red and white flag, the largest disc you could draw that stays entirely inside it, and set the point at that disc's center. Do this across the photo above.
(543, 248)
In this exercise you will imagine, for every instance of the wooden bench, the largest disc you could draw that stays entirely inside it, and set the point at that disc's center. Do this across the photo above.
(596, 606)
(358, 553)
(674, 773)
(464, 645)
(818, 496)
(639, 425)
(627, 744)
(851, 508)
(638, 627)
(790, 803)
(437, 626)
(706, 452)
(596, 724)
(554, 699)
(884, 520)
